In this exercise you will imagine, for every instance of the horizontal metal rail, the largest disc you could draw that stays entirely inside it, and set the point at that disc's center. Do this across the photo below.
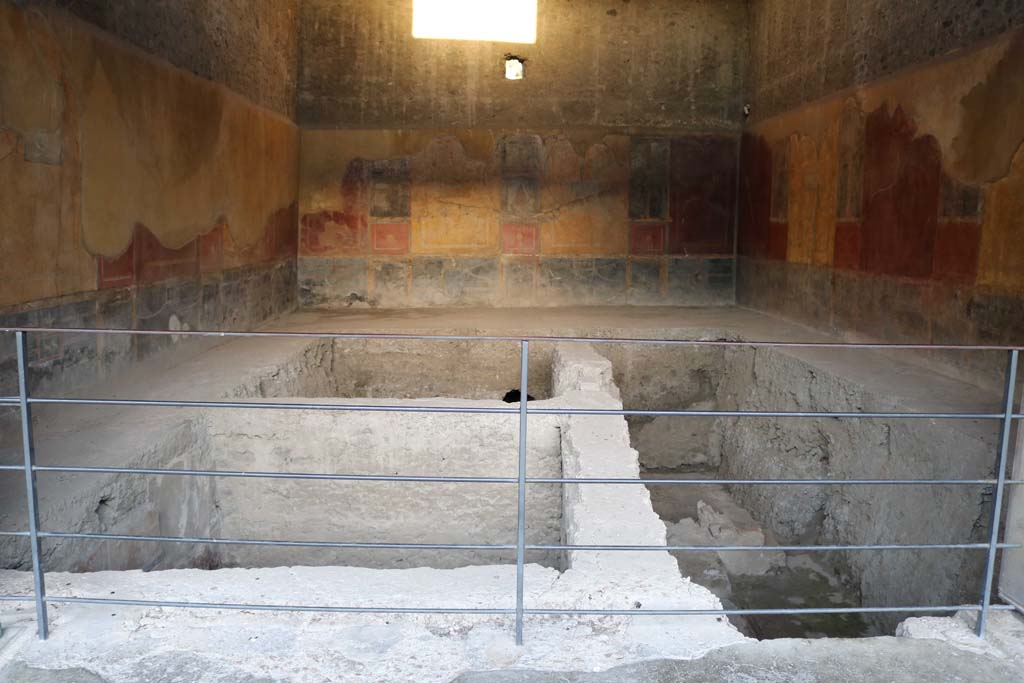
(289, 544)
(766, 413)
(717, 343)
(764, 612)
(279, 608)
(263, 405)
(24, 402)
(769, 548)
(773, 482)
(86, 469)
(341, 407)
(509, 546)
(275, 475)
(509, 611)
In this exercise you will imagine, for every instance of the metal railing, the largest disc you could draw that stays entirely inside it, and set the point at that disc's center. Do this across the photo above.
(24, 402)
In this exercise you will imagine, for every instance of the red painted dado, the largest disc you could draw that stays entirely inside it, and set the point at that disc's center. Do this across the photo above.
(520, 238)
(154, 262)
(279, 241)
(846, 252)
(341, 229)
(211, 250)
(900, 232)
(778, 240)
(118, 272)
(957, 246)
(902, 181)
(333, 232)
(647, 239)
(147, 260)
(390, 238)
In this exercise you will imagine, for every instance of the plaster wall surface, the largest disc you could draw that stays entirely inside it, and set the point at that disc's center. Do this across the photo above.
(594, 64)
(135, 194)
(113, 504)
(249, 46)
(607, 176)
(805, 49)
(890, 210)
(859, 449)
(520, 217)
(385, 443)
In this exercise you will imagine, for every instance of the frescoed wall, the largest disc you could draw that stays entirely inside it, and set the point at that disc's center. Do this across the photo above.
(513, 218)
(895, 210)
(606, 176)
(133, 195)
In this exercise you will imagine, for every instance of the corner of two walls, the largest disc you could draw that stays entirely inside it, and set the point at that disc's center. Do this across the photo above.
(893, 211)
(136, 195)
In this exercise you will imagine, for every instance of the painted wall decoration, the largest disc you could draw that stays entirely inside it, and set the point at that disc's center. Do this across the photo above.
(133, 194)
(548, 217)
(904, 217)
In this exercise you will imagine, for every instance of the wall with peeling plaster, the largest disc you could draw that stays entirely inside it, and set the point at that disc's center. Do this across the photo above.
(133, 194)
(425, 217)
(894, 210)
(251, 46)
(607, 176)
(802, 50)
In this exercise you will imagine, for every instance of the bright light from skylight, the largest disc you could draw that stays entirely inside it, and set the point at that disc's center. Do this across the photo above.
(503, 21)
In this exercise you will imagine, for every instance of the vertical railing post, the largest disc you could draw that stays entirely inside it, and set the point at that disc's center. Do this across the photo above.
(524, 368)
(28, 451)
(997, 504)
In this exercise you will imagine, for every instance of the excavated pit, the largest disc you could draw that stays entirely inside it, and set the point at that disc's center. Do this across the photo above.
(571, 584)
(415, 373)
(409, 374)
(733, 448)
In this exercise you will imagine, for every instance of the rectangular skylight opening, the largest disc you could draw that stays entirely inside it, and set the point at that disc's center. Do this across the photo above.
(501, 21)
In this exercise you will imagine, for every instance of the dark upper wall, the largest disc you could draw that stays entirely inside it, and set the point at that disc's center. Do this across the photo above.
(617, 63)
(802, 50)
(251, 46)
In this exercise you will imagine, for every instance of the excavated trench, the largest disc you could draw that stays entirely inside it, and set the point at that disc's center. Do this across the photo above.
(730, 448)
(408, 372)
(364, 443)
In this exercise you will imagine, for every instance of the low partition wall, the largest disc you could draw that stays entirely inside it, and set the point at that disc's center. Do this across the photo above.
(383, 443)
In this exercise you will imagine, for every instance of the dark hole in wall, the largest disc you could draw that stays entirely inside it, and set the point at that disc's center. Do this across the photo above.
(514, 396)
